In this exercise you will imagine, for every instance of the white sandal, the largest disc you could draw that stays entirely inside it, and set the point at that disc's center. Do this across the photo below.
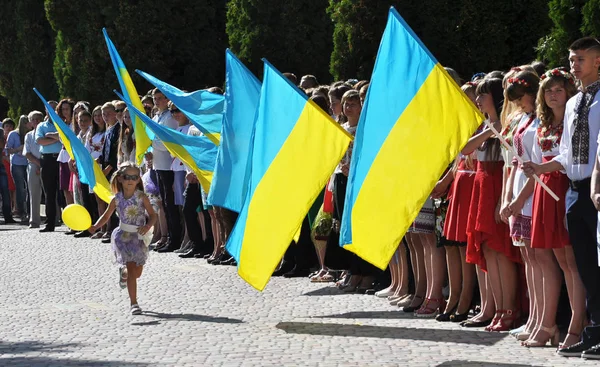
(136, 309)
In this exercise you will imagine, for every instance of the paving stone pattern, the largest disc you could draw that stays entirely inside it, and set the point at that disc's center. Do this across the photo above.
(60, 305)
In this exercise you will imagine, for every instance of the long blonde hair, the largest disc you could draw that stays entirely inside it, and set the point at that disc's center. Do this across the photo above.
(509, 108)
(116, 186)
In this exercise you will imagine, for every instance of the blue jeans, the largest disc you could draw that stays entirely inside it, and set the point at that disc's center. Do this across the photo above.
(19, 174)
(5, 193)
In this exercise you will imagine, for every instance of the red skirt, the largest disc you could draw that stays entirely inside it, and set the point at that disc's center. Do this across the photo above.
(548, 221)
(459, 197)
(482, 228)
(11, 183)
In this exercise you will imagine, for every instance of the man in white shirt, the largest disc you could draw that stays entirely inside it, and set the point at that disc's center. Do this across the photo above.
(34, 178)
(578, 148)
(161, 162)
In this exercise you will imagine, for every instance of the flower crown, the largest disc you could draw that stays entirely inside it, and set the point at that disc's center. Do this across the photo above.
(519, 81)
(559, 72)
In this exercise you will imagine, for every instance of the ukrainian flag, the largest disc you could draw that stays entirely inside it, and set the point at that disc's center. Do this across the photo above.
(143, 138)
(204, 109)
(414, 122)
(197, 152)
(296, 147)
(242, 91)
(89, 172)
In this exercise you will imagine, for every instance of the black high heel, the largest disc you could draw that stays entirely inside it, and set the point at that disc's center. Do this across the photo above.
(408, 309)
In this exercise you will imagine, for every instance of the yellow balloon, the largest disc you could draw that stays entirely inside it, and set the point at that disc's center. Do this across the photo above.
(76, 217)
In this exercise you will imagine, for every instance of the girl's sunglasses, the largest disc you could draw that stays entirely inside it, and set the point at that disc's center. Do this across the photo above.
(127, 177)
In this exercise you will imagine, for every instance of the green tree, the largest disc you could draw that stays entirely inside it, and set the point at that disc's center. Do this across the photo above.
(295, 36)
(566, 16)
(178, 41)
(26, 61)
(591, 13)
(467, 35)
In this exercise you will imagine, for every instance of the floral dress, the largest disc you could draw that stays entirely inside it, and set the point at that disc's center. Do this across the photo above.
(127, 245)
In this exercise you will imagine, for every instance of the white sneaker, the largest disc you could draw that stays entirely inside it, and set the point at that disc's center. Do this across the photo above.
(136, 309)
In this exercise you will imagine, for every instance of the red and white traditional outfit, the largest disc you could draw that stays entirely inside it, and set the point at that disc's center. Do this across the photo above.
(548, 221)
(523, 142)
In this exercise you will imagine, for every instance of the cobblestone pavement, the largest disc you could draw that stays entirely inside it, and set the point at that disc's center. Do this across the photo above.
(60, 305)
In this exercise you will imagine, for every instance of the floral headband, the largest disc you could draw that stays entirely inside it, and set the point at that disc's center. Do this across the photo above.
(559, 72)
(519, 81)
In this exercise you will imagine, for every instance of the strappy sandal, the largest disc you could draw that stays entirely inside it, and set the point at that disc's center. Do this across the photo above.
(552, 337)
(506, 321)
(576, 336)
(427, 311)
(123, 277)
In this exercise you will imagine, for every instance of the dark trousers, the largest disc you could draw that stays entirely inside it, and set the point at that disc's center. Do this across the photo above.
(190, 214)
(89, 202)
(165, 186)
(49, 173)
(347, 259)
(5, 193)
(302, 254)
(582, 218)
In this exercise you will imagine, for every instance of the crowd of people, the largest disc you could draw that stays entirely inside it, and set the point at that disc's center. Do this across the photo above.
(491, 248)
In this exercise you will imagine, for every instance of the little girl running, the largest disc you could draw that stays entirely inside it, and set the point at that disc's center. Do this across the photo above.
(127, 240)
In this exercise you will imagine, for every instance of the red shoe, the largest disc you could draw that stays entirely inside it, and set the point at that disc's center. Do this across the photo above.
(506, 322)
(495, 320)
(427, 310)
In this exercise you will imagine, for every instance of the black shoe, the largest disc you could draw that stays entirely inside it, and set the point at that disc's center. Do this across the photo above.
(105, 240)
(592, 353)
(218, 260)
(296, 273)
(285, 268)
(201, 255)
(69, 232)
(10, 221)
(46, 229)
(187, 255)
(469, 323)
(167, 248)
(459, 317)
(576, 350)
(162, 245)
(446, 316)
(228, 261)
(82, 234)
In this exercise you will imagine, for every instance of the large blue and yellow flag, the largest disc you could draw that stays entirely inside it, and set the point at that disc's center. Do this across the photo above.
(89, 171)
(295, 149)
(414, 122)
(204, 109)
(197, 152)
(143, 137)
(242, 91)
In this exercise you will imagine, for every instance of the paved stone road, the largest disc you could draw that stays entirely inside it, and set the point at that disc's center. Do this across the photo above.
(60, 305)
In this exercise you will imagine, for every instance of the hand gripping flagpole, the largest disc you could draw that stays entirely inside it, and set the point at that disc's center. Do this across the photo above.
(519, 159)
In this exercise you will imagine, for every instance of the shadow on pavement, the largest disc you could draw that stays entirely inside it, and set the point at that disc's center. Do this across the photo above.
(15, 348)
(326, 291)
(3, 229)
(186, 317)
(388, 332)
(370, 315)
(486, 364)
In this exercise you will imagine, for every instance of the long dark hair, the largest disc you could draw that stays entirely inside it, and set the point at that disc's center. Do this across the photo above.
(126, 134)
(493, 87)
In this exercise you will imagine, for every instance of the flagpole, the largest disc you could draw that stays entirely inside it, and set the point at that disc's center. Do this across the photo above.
(519, 159)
